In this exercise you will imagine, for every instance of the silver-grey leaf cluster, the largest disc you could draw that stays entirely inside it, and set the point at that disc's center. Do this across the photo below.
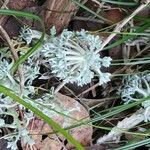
(9, 108)
(137, 87)
(73, 56)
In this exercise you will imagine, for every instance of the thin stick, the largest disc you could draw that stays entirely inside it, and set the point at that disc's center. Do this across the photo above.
(117, 29)
(5, 4)
(122, 24)
(123, 126)
(89, 89)
(60, 86)
(87, 19)
(15, 56)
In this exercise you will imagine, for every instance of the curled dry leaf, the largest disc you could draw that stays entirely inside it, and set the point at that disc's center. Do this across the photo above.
(39, 129)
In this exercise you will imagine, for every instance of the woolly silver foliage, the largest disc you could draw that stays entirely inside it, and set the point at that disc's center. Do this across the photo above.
(137, 87)
(8, 107)
(73, 57)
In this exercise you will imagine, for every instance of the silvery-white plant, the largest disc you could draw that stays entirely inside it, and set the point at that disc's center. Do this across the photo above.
(73, 56)
(19, 127)
(135, 87)
(8, 107)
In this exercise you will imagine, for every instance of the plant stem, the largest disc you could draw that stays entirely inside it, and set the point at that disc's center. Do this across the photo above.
(123, 126)
(122, 24)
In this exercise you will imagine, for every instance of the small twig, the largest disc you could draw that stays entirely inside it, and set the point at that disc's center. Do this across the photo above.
(15, 57)
(5, 4)
(120, 70)
(122, 24)
(98, 3)
(123, 126)
(117, 29)
(102, 5)
(89, 89)
(87, 19)
(10, 44)
(60, 86)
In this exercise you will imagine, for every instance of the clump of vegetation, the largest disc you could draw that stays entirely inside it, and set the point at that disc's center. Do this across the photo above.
(109, 63)
(10, 108)
(73, 56)
(135, 87)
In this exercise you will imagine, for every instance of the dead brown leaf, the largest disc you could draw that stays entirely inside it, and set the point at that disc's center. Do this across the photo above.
(44, 141)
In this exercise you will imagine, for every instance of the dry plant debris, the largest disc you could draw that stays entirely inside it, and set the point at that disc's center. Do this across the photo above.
(76, 112)
(75, 57)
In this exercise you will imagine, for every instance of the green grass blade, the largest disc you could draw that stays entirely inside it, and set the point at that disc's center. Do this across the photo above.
(120, 3)
(142, 18)
(89, 10)
(113, 111)
(19, 14)
(51, 109)
(119, 109)
(30, 52)
(8, 92)
(132, 63)
(128, 33)
(127, 37)
(134, 145)
(39, 42)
